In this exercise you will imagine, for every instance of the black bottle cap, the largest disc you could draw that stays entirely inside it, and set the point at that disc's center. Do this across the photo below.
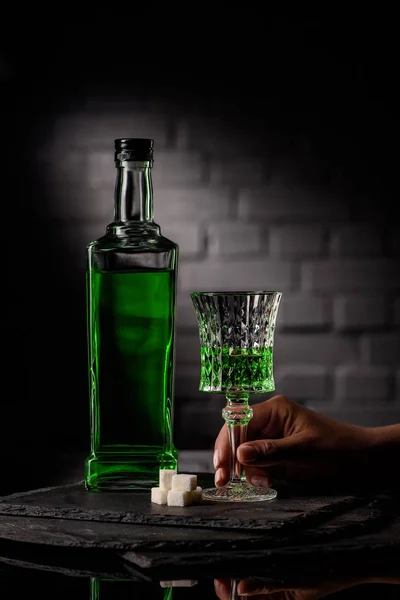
(134, 149)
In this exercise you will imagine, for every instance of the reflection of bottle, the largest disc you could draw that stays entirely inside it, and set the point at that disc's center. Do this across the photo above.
(131, 293)
(112, 589)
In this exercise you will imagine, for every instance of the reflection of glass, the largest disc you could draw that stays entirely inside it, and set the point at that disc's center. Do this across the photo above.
(236, 331)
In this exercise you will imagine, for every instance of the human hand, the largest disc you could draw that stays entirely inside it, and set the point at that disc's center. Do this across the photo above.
(228, 589)
(287, 441)
(257, 589)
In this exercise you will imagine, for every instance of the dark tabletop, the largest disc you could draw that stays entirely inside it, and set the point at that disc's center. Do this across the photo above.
(121, 545)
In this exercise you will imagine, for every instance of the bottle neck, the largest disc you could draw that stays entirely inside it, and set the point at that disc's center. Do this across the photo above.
(134, 193)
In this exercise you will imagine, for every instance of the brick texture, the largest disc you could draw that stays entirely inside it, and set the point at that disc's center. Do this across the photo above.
(394, 240)
(249, 209)
(190, 237)
(357, 240)
(282, 203)
(357, 312)
(98, 127)
(302, 312)
(315, 349)
(358, 384)
(296, 241)
(350, 275)
(241, 172)
(186, 317)
(203, 202)
(178, 168)
(396, 312)
(250, 274)
(304, 382)
(227, 239)
(381, 349)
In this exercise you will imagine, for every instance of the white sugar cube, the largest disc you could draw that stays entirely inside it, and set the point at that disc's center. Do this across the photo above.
(165, 478)
(178, 498)
(179, 583)
(184, 482)
(197, 495)
(158, 495)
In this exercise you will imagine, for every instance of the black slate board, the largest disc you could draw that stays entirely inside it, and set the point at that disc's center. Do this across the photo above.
(58, 529)
(73, 502)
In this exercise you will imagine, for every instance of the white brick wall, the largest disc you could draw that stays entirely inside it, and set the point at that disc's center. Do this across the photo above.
(172, 168)
(233, 238)
(304, 382)
(248, 211)
(97, 128)
(190, 237)
(186, 318)
(357, 312)
(194, 203)
(350, 275)
(250, 172)
(248, 274)
(302, 311)
(357, 240)
(394, 240)
(296, 241)
(396, 312)
(361, 383)
(292, 204)
(381, 349)
(315, 348)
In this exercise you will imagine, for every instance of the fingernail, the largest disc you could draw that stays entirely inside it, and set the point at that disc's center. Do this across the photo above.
(218, 477)
(259, 481)
(248, 453)
(216, 459)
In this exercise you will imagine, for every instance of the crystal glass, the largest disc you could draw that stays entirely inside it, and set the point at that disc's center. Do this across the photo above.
(236, 333)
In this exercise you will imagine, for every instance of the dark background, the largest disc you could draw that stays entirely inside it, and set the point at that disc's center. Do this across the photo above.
(276, 166)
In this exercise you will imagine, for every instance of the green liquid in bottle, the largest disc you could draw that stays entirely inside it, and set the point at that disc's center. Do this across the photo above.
(131, 324)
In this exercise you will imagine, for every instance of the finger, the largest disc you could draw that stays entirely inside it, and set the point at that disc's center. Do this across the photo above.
(221, 476)
(264, 596)
(271, 418)
(267, 421)
(222, 588)
(251, 587)
(222, 449)
(266, 453)
(258, 477)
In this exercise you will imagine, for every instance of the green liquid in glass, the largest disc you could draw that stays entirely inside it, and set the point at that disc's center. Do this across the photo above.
(131, 335)
(225, 370)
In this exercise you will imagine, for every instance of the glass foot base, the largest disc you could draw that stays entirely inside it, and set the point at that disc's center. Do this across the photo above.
(239, 493)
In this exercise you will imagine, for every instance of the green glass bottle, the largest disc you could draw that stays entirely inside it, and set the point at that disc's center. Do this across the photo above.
(131, 299)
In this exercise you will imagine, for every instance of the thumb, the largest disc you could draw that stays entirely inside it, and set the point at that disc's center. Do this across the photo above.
(265, 453)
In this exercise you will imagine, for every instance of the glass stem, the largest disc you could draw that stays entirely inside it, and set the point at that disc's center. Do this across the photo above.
(234, 595)
(237, 414)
